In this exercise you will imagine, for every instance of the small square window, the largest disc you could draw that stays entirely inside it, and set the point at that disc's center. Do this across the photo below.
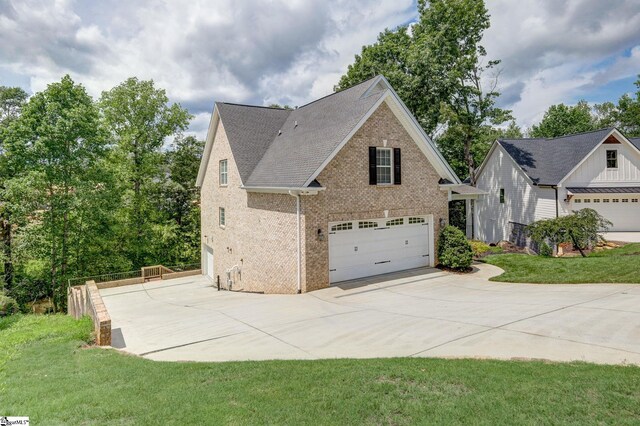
(415, 220)
(596, 200)
(605, 200)
(616, 200)
(634, 200)
(612, 159)
(625, 200)
(395, 222)
(223, 172)
(384, 166)
(587, 200)
(577, 201)
(221, 217)
(345, 226)
(367, 224)
(501, 195)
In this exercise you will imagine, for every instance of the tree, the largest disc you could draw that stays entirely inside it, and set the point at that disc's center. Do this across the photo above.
(139, 118)
(581, 228)
(561, 120)
(55, 143)
(625, 115)
(439, 72)
(12, 100)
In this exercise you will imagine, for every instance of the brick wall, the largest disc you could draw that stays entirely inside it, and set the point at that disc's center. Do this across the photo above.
(348, 195)
(260, 231)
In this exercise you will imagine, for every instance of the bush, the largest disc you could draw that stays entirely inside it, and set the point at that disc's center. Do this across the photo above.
(454, 251)
(545, 250)
(8, 305)
(479, 247)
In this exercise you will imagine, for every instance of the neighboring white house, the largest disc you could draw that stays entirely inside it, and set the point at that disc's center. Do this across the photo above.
(532, 179)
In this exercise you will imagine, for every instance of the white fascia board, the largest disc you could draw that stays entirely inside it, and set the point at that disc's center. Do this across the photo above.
(449, 173)
(283, 190)
(206, 153)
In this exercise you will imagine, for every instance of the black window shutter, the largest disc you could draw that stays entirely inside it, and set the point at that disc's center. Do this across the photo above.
(397, 166)
(373, 177)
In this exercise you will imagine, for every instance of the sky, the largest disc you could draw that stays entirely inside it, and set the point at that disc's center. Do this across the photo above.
(294, 51)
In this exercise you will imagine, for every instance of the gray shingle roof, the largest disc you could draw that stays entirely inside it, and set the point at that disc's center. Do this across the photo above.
(635, 142)
(548, 161)
(250, 131)
(284, 148)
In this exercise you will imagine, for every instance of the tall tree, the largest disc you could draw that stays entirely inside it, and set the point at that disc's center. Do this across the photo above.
(139, 118)
(439, 71)
(12, 100)
(561, 120)
(450, 32)
(56, 143)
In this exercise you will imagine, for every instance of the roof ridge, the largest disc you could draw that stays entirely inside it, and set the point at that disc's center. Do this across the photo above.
(255, 106)
(580, 133)
(339, 91)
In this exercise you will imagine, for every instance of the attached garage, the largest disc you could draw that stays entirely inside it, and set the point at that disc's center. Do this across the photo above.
(623, 210)
(363, 248)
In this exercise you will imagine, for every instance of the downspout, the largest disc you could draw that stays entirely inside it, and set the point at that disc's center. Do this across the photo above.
(297, 195)
(557, 211)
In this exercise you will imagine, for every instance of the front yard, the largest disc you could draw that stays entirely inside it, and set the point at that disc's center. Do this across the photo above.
(619, 265)
(48, 374)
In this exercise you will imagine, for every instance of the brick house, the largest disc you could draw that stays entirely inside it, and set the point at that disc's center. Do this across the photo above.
(344, 187)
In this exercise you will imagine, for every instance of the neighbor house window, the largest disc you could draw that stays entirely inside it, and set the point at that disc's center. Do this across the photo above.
(501, 195)
(383, 166)
(395, 222)
(367, 224)
(346, 226)
(223, 172)
(414, 220)
(612, 159)
(221, 217)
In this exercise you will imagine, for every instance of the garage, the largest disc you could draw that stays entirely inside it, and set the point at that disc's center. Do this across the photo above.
(363, 248)
(623, 210)
(208, 264)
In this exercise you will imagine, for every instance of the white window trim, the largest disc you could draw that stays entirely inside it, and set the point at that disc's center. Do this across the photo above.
(226, 172)
(390, 166)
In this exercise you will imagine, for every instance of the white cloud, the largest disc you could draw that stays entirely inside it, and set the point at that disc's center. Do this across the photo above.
(294, 51)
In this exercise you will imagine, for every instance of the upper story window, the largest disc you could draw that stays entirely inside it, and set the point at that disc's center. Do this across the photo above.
(501, 195)
(223, 172)
(384, 166)
(221, 217)
(612, 159)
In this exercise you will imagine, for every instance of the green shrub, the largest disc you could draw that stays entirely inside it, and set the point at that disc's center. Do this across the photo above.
(454, 251)
(479, 247)
(545, 250)
(8, 305)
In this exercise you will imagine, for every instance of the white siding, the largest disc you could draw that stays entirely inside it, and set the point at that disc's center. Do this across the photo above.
(593, 171)
(524, 203)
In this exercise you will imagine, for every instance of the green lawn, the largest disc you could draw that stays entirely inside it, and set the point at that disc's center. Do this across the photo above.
(620, 265)
(53, 379)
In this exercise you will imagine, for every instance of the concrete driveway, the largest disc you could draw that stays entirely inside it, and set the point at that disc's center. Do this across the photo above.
(421, 313)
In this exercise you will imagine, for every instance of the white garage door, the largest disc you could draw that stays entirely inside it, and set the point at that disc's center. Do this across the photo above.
(208, 264)
(363, 248)
(622, 211)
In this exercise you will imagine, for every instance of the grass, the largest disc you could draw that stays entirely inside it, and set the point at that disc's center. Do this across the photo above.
(53, 379)
(619, 265)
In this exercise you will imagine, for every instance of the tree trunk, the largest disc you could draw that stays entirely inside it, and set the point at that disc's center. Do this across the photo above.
(468, 158)
(7, 242)
(576, 245)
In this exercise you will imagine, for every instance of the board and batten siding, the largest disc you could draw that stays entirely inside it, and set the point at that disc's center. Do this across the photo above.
(524, 203)
(593, 171)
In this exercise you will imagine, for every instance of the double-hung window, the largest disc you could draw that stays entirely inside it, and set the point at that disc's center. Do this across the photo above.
(612, 159)
(223, 172)
(384, 166)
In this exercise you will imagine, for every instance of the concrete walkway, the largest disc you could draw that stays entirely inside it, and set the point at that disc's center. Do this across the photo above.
(420, 313)
(627, 237)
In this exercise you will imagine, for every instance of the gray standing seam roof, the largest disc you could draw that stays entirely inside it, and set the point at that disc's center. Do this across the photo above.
(283, 148)
(605, 190)
(548, 161)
